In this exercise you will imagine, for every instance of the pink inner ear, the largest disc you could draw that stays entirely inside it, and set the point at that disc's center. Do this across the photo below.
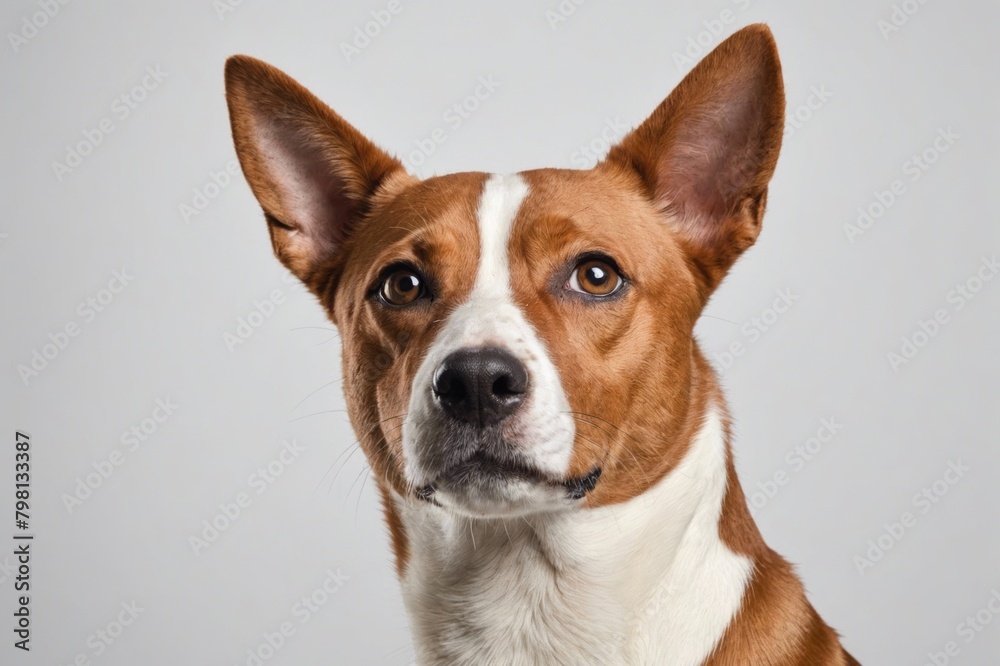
(312, 196)
(715, 156)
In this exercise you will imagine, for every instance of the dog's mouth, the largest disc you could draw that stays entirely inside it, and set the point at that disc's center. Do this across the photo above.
(483, 470)
(578, 487)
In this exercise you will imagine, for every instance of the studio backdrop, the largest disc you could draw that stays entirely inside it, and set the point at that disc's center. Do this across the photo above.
(193, 492)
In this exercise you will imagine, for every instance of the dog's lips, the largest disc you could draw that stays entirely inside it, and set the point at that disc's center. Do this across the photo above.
(482, 469)
(578, 487)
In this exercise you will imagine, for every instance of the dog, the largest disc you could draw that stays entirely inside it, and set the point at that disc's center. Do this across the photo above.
(551, 448)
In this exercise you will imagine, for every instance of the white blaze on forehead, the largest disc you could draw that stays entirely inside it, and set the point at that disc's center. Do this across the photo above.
(542, 430)
(501, 199)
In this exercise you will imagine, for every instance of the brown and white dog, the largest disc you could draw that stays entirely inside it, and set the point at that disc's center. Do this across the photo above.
(551, 447)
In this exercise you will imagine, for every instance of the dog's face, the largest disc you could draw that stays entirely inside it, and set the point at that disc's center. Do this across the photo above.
(489, 321)
(520, 343)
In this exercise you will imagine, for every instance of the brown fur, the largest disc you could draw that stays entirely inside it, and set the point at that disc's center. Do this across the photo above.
(675, 204)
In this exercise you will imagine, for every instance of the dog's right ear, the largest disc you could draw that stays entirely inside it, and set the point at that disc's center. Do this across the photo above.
(315, 176)
(707, 153)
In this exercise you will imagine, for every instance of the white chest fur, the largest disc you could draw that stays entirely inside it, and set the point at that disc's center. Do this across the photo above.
(645, 582)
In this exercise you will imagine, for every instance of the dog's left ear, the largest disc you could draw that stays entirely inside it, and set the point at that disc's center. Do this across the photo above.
(707, 153)
(315, 175)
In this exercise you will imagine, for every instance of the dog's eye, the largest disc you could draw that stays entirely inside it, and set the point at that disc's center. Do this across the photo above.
(595, 278)
(402, 287)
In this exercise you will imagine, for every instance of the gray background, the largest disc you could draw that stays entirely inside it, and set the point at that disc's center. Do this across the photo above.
(560, 84)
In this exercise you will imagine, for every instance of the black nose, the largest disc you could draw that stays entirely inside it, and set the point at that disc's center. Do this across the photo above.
(480, 386)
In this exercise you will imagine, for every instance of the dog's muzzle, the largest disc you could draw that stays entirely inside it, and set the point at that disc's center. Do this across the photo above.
(478, 393)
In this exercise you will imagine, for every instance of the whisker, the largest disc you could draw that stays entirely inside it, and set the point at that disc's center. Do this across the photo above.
(591, 423)
(618, 462)
(577, 416)
(364, 468)
(728, 321)
(325, 411)
(357, 506)
(311, 395)
(340, 469)
(353, 447)
(603, 420)
(356, 444)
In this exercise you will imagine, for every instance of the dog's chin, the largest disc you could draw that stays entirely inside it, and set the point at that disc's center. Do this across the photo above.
(483, 487)
(497, 499)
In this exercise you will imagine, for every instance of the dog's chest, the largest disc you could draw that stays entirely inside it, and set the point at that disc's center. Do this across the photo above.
(506, 601)
(645, 582)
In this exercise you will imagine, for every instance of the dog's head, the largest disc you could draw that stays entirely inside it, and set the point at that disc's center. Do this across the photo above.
(524, 342)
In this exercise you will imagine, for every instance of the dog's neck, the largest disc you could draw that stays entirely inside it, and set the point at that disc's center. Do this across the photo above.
(646, 581)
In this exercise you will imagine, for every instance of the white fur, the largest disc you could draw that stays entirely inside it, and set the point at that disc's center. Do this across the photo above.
(543, 430)
(645, 582)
